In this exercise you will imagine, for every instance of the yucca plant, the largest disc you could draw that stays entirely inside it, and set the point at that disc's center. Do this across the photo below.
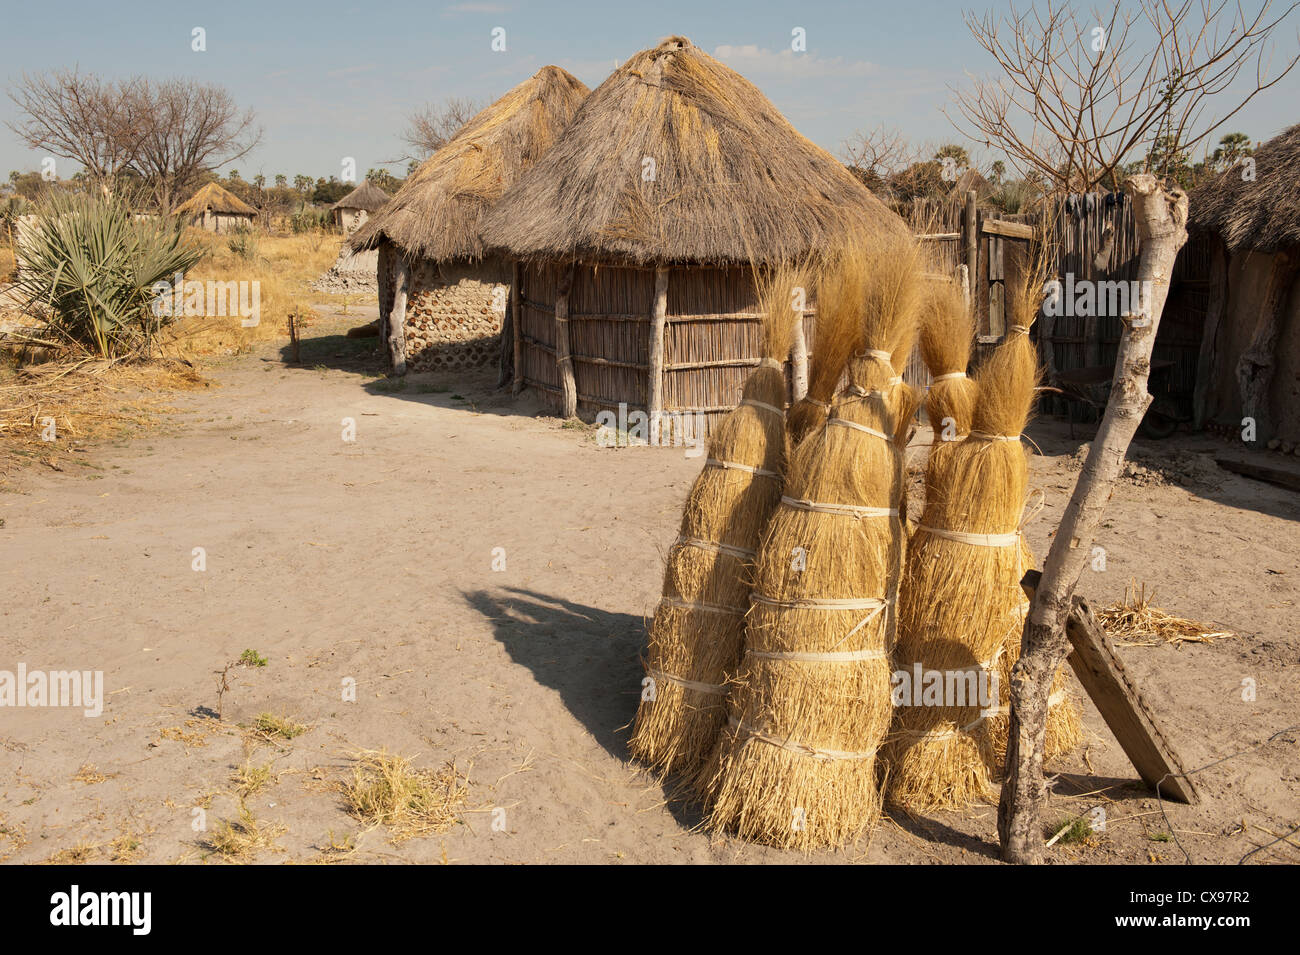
(93, 266)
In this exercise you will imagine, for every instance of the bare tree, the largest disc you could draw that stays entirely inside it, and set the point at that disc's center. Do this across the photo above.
(1077, 99)
(190, 127)
(78, 116)
(1081, 95)
(433, 125)
(877, 152)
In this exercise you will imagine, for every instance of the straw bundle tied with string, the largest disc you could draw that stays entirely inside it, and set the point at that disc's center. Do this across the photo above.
(1064, 720)
(961, 592)
(796, 764)
(838, 335)
(697, 632)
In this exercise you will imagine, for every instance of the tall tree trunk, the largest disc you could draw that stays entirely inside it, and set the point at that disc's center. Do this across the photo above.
(1161, 217)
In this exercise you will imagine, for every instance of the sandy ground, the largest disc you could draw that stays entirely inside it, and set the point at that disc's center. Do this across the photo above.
(372, 560)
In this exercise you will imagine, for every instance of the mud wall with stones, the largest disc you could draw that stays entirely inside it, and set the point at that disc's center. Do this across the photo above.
(454, 313)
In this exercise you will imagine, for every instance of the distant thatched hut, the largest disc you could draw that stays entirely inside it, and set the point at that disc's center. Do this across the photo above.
(1250, 352)
(350, 212)
(441, 298)
(217, 210)
(635, 236)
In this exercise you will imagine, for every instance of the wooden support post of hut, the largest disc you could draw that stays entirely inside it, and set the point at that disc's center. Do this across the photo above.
(971, 228)
(516, 307)
(563, 355)
(799, 360)
(397, 318)
(654, 401)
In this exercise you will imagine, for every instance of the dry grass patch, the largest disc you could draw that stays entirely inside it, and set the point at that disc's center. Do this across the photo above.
(241, 838)
(1136, 622)
(81, 400)
(123, 849)
(386, 791)
(270, 728)
(89, 775)
(249, 779)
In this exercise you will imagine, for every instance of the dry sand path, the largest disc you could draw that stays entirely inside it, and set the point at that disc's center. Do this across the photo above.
(372, 560)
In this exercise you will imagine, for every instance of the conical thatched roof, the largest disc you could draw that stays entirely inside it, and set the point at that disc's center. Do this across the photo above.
(1263, 215)
(436, 213)
(733, 181)
(366, 196)
(213, 197)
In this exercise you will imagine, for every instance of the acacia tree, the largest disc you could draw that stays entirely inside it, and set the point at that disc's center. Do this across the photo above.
(1076, 99)
(192, 127)
(433, 125)
(78, 116)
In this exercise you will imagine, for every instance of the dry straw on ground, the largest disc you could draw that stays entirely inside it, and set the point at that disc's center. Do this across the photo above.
(796, 764)
(385, 790)
(697, 632)
(1137, 622)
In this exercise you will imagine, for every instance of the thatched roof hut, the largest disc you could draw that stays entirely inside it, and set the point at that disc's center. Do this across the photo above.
(216, 209)
(351, 212)
(435, 280)
(636, 235)
(1250, 351)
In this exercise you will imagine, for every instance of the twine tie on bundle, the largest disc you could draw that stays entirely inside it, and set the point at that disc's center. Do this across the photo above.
(850, 510)
(842, 423)
(755, 403)
(874, 604)
(949, 376)
(710, 688)
(697, 605)
(733, 466)
(741, 552)
(800, 749)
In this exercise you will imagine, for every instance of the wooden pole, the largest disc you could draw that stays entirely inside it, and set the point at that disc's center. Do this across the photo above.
(563, 359)
(654, 401)
(516, 318)
(1161, 219)
(970, 226)
(397, 319)
(799, 360)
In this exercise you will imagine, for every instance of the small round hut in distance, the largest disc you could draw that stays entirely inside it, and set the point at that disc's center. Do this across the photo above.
(637, 234)
(217, 210)
(442, 299)
(351, 212)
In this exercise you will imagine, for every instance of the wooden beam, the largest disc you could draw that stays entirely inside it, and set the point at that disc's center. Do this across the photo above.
(970, 228)
(516, 320)
(654, 402)
(1261, 472)
(1100, 670)
(563, 363)
(397, 318)
(1012, 230)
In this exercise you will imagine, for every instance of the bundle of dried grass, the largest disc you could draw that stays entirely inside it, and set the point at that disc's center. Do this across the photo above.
(838, 336)
(796, 764)
(963, 557)
(697, 632)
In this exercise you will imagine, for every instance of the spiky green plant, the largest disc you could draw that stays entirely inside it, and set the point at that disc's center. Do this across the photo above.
(93, 266)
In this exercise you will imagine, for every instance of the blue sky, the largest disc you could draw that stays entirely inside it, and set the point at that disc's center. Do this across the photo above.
(331, 79)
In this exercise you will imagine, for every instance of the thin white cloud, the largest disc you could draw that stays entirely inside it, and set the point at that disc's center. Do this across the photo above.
(752, 59)
(351, 70)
